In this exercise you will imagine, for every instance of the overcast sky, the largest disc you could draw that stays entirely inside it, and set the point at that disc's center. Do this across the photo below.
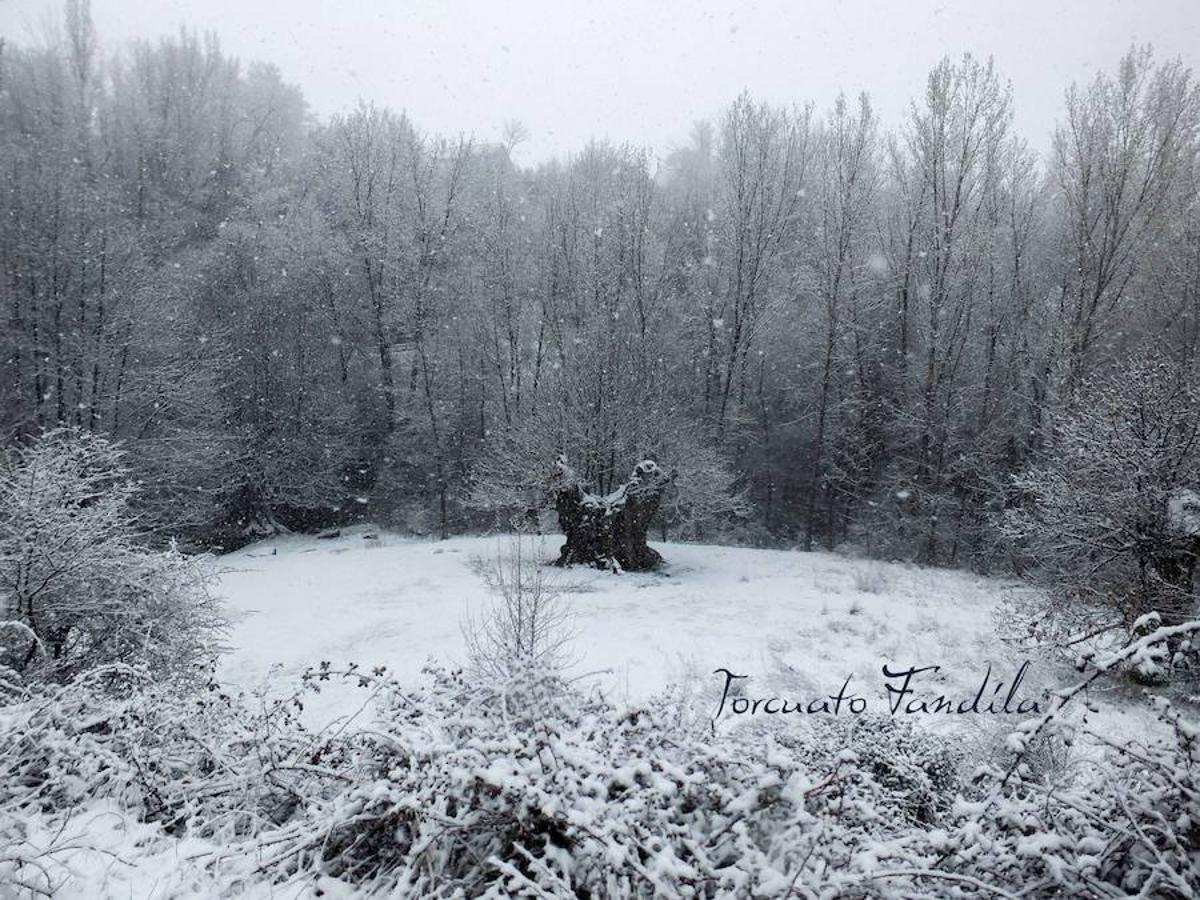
(644, 72)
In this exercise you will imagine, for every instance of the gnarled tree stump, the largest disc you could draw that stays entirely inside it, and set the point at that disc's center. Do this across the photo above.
(608, 532)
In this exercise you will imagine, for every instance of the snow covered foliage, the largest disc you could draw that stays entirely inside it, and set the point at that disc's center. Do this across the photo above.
(528, 787)
(522, 785)
(1100, 520)
(116, 732)
(74, 573)
(1122, 825)
(1183, 512)
(157, 757)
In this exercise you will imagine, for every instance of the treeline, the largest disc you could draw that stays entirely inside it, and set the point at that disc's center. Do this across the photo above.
(829, 331)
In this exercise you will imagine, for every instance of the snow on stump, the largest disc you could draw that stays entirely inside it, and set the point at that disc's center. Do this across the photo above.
(608, 532)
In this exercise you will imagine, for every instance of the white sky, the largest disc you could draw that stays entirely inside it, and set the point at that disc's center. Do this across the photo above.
(644, 72)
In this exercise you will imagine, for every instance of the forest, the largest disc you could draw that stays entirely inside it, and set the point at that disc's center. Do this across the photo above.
(833, 332)
(273, 386)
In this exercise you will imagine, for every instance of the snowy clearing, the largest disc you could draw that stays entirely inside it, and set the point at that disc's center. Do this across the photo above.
(797, 623)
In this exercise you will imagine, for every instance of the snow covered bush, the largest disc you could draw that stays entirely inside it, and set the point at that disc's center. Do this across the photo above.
(1095, 522)
(75, 573)
(1123, 828)
(203, 764)
(526, 786)
(914, 773)
(1122, 823)
(518, 783)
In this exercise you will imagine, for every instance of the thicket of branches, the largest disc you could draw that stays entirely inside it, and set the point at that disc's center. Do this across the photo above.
(78, 586)
(519, 784)
(1108, 523)
(861, 332)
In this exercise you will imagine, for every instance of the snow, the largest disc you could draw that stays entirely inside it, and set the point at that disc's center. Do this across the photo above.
(1183, 512)
(104, 852)
(797, 623)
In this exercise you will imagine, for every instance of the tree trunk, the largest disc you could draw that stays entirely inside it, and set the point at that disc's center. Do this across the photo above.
(608, 532)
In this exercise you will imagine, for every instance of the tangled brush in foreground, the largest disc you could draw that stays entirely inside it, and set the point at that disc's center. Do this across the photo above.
(528, 787)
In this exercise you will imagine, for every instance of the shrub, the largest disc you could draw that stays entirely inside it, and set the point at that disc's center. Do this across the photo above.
(522, 785)
(529, 624)
(1100, 520)
(74, 571)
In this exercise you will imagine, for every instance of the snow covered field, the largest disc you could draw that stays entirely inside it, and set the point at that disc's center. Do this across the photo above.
(797, 623)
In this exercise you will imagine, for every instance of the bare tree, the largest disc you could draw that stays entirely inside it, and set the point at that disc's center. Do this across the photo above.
(765, 158)
(846, 180)
(1125, 149)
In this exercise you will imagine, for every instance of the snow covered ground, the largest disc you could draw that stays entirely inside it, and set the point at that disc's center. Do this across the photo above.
(797, 623)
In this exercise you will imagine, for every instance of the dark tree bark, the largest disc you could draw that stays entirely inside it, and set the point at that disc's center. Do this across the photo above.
(608, 532)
